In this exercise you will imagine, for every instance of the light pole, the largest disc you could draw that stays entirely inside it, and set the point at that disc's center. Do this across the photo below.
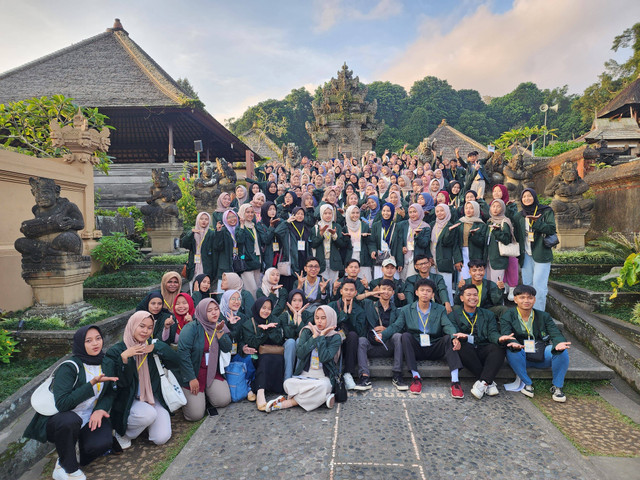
(197, 146)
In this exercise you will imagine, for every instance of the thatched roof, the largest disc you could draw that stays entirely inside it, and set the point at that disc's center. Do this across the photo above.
(613, 129)
(449, 138)
(622, 103)
(260, 143)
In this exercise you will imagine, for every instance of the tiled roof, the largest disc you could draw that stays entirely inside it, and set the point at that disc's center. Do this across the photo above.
(620, 104)
(449, 138)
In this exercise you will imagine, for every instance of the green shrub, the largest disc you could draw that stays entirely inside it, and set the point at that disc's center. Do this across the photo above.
(617, 245)
(126, 279)
(635, 314)
(187, 204)
(170, 259)
(557, 148)
(7, 346)
(115, 251)
(588, 256)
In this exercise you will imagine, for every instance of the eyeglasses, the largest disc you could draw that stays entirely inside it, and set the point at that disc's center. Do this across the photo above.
(421, 264)
(313, 266)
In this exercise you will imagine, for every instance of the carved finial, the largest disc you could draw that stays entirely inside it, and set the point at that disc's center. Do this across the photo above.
(117, 27)
(443, 122)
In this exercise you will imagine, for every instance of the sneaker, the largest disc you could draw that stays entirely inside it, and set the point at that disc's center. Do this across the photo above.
(479, 389)
(399, 383)
(557, 395)
(123, 441)
(456, 390)
(275, 404)
(492, 390)
(416, 386)
(363, 384)
(348, 381)
(60, 474)
(251, 396)
(527, 390)
(331, 400)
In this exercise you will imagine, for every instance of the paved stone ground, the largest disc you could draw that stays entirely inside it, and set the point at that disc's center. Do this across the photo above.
(385, 434)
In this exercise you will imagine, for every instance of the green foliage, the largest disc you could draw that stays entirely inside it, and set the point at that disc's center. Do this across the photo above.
(7, 346)
(544, 200)
(524, 136)
(392, 102)
(115, 251)
(187, 88)
(584, 257)
(629, 275)
(187, 204)
(24, 125)
(617, 245)
(128, 279)
(170, 259)
(19, 372)
(557, 148)
(635, 314)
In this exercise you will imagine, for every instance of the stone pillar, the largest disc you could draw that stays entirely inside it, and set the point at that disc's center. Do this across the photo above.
(172, 157)
(164, 234)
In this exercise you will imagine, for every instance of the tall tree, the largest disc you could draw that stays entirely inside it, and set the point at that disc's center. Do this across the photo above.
(392, 101)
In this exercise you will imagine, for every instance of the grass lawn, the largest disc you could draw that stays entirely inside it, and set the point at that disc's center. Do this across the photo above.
(621, 312)
(127, 279)
(591, 282)
(17, 373)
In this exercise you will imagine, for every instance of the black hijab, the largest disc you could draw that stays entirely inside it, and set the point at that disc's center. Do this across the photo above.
(301, 292)
(255, 310)
(271, 196)
(264, 218)
(294, 196)
(78, 349)
(297, 227)
(144, 303)
(199, 279)
(531, 209)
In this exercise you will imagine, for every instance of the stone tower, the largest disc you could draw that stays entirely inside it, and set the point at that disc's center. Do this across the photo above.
(343, 119)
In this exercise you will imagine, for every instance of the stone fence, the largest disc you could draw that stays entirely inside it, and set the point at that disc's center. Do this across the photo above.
(76, 182)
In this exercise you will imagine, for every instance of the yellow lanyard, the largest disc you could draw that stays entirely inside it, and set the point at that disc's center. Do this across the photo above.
(531, 316)
(250, 230)
(534, 214)
(100, 373)
(475, 319)
(424, 324)
(168, 306)
(299, 233)
(145, 357)
(209, 339)
(479, 287)
(201, 241)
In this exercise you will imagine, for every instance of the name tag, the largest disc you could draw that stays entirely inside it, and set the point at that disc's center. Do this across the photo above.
(235, 250)
(234, 348)
(529, 346)
(302, 245)
(410, 246)
(315, 362)
(276, 247)
(384, 246)
(530, 236)
(356, 247)
(342, 335)
(197, 258)
(470, 339)
(206, 358)
(425, 340)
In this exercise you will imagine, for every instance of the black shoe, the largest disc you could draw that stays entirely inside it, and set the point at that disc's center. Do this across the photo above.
(399, 383)
(212, 411)
(363, 384)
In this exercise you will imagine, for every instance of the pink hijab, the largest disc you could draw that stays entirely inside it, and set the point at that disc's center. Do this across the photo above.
(142, 365)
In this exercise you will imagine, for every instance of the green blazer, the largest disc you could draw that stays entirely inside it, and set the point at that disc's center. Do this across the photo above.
(289, 245)
(485, 328)
(421, 241)
(267, 236)
(408, 321)
(191, 349)
(503, 234)
(68, 396)
(209, 260)
(127, 385)
(158, 326)
(253, 261)
(448, 250)
(441, 295)
(543, 325)
(396, 243)
(253, 336)
(545, 225)
(477, 240)
(491, 296)
(351, 322)
(327, 348)
(223, 246)
(317, 242)
(367, 245)
(278, 303)
(289, 328)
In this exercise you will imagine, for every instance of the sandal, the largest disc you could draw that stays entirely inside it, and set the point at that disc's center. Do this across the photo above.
(275, 404)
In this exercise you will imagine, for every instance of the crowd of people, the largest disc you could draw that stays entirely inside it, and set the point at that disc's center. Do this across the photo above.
(307, 273)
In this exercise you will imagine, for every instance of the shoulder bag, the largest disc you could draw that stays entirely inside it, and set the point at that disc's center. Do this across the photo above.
(42, 399)
(268, 349)
(510, 250)
(171, 389)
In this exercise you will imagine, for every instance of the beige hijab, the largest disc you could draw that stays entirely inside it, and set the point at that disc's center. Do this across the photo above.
(142, 362)
(169, 298)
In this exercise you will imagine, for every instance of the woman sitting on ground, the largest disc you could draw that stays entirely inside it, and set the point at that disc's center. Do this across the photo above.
(183, 310)
(137, 401)
(272, 289)
(293, 319)
(199, 348)
(318, 351)
(80, 397)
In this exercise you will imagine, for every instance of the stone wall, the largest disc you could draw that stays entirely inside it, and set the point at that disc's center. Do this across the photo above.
(76, 182)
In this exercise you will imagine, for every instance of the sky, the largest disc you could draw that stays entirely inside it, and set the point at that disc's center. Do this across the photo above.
(237, 54)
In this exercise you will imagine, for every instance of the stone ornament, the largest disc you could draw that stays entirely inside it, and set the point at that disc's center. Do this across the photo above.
(163, 196)
(291, 155)
(214, 179)
(81, 140)
(569, 205)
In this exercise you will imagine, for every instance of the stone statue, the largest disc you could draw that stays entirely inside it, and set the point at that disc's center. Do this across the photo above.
(567, 190)
(516, 177)
(214, 179)
(164, 195)
(291, 155)
(54, 230)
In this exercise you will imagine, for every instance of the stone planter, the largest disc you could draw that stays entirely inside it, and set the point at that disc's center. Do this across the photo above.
(579, 269)
(120, 293)
(594, 299)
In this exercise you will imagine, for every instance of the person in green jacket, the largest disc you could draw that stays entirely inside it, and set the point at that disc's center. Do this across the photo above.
(511, 275)
(201, 288)
(532, 225)
(200, 346)
(472, 236)
(230, 304)
(427, 334)
(293, 237)
(79, 392)
(385, 235)
(445, 247)
(137, 402)
(326, 240)
(199, 242)
(317, 351)
(500, 231)
(223, 203)
(529, 330)
(252, 248)
(293, 319)
(422, 265)
(480, 349)
(232, 281)
(358, 243)
(152, 303)
(490, 294)
(415, 235)
(228, 243)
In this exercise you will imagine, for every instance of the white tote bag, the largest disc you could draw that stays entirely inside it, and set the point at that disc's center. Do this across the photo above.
(171, 389)
(42, 399)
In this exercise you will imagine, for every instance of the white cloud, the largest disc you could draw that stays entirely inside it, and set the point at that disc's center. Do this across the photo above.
(331, 12)
(548, 42)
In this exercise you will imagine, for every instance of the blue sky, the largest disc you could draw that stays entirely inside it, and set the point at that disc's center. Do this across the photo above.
(239, 53)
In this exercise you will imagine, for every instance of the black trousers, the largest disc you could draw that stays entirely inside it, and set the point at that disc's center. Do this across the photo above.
(64, 429)
(269, 373)
(484, 361)
(350, 354)
(439, 348)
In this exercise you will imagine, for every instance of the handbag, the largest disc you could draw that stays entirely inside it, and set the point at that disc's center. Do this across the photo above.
(171, 389)
(551, 241)
(538, 356)
(238, 264)
(42, 399)
(284, 268)
(509, 250)
(340, 389)
(271, 349)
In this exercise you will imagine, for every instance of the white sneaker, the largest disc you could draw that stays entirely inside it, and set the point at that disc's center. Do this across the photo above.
(492, 390)
(124, 441)
(331, 400)
(60, 474)
(478, 389)
(348, 381)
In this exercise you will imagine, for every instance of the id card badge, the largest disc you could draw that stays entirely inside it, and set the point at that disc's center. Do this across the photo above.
(197, 258)
(425, 340)
(529, 346)
(342, 335)
(410, 246)
(206, 358)
(530, 236)
(315, 362)
(276, 247)
(234, 348)
(235, 251)
(301, 246)
(470, 339)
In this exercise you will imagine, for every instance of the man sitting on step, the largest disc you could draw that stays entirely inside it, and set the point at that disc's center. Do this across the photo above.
(490, 294)
(422, 265)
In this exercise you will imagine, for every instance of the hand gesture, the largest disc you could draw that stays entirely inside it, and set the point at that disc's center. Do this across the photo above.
(448, 307)
(454, 226)
(500, 284)
(323, 229)
(506, 338)
(336, 286)
(314, 330)
(456, 151)
(132, 351)
(562, 346)
(401, 296)
(515, 345)
(460, 335)
(326, 330)
(456, 344)
(95, 421)
(373, 255)
(332, 231)
(405, 250)
(273, 221)
(194, 386)
(323, 286)
(249, 350)
(219, 326)
(300, 281)
(474, 230)
(291, 219)
(168, 322)
(364, 282)
(461, 283)
(233, 319)
(218, 226)
(187, 318)
(276, 287)
(102, 378)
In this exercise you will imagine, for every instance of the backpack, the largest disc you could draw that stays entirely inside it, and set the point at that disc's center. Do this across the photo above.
(236, 374)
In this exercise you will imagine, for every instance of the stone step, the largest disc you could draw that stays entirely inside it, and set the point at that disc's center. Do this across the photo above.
(581, 367)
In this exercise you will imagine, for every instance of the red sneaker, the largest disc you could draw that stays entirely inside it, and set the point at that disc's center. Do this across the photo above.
(456, 390)
(416, 386)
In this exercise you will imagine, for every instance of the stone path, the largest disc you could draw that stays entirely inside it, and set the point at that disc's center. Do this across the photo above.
(384, 434)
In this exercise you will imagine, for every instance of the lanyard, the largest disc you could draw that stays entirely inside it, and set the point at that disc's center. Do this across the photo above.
(475, 319)
(250, 230)
(479, 287)
(145, 357)
(168, 306)
(424, 324)
(534, 214)
(100, 373)
(201, 241)
(298, 231)
(531, 317)
(210, 340)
